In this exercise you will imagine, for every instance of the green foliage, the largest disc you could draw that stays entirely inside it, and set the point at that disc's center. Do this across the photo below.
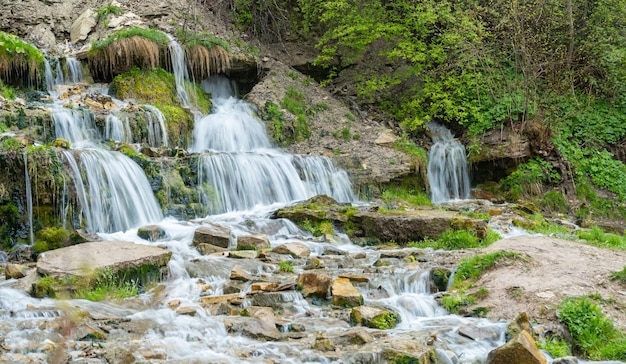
(10, 143)
(385, 321)
(108, 285)
(150, 34)
(470, 269)
(190, 39)
(51, 238)
(319, 228)
(7, 91)
(272, 114)
(400, 196)
(103, 12)
(154, 86)
(294, 102)
(557, 347)
(593, 334)
(527, 180)
(457, 239)
(596, 236)
(285, 266)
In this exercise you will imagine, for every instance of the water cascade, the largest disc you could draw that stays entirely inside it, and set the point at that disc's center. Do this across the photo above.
(448, 174)
(117, 130)
(29, 200)
(242, 167)
(74, 70)
(179, 68)
(157, 133)
(50, 81)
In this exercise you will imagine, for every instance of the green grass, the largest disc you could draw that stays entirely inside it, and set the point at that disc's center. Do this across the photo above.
(318, 228)
(151, 34)
(396, 195)
(285, 266)
(458, 239)
(593, 334)
(619, 276)
(557, 347)
(103, 12)
(190, 39)
(597, 237)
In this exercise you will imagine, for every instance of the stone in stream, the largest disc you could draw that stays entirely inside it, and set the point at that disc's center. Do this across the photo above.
(345, 294)
(374, 317)
(295, 249)
(208, 249)
(262, 325)
(82, 262)
(151, 233)
(213, 234)
(15, 271)
(314, 284)
(521, 350)
(238, 274)
(252, 242)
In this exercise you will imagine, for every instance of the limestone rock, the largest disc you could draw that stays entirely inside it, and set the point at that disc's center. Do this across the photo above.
(234, 298)
(295, 249)
(238, 274)
(521, 350)
(81, 260)
(243, 254)
(387, 137)
(252, 242)
(345, 294)
(374, 317)
(125, 20)
(14, 271)
(213, 234)
(208, 249)
(151, 233)
(276, 300)
(82, 26)
(314, 284)
(262, 325)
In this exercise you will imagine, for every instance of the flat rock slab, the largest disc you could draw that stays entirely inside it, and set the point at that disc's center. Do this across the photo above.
(82, 259)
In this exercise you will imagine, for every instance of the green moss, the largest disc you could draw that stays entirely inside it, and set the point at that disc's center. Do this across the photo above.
(285, 266)
(385, 321)
(151, 34)
(318, 228)
(51, 238)
(153, 86)
(401, 197)
(20, 63)
(178, 123)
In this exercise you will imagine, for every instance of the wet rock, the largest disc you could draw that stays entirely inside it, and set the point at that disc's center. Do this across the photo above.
(264, 286)
(173, 304)
(374, 317)
(345, 294)
(566, 360)
(238, 274)
(227, 298)
(232, 287)
(314, 284)
(252, 242)
(213, 234)
(151, 233)
(314, 263)
(353, 336)
(15, 271)
(439, 278)
(356, 278)
(275, 300)
(295, 249)
(521, 350)
(208, 249)
(262, 325)
(323, 343)
(83, 259)
(243, 254)
(189, 311)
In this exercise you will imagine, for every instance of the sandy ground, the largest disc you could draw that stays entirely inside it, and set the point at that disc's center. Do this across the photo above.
(558, 269)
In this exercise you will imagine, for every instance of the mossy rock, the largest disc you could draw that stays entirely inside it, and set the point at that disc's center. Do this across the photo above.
(374, 317)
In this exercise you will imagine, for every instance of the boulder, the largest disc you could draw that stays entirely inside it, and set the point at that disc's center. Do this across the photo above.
(344, 293)
(387, 137)
(276, 300)
(238, 274)
(374, 317)
(243, 254)
(252, 242)
(295, 249)
(14, 271)
(151, 233)
(262, 325)
(83, 259)
(213, 234)
(521, 350)
(208, 249)
(314, 284)
(82, 26)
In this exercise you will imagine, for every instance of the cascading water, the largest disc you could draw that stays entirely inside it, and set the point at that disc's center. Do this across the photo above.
(117, 130)
(74, 70)
(448, 174)
(29, 200)
(157, 133)
(179, 68)
(244, 170)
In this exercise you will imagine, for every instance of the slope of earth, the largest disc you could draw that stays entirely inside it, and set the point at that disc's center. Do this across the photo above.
(558, 269)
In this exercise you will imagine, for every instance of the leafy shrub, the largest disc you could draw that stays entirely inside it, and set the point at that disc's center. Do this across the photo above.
(593, 334)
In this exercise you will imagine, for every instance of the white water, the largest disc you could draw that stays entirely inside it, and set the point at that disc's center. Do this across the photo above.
(74, 70)
(242, 170)
(117, 130)
(448, 174)
(29, 200)
(179, 68)
(157, 132)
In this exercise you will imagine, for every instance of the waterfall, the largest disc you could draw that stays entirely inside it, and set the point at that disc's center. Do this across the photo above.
(114, 193)
(157, 133)
(448, 174)
(48, 75)
(242, 170)
(59, 77)
(179, 68)
(74, 70)
(116, 129)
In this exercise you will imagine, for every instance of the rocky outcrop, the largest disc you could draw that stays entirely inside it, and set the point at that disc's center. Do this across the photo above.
(83, 259)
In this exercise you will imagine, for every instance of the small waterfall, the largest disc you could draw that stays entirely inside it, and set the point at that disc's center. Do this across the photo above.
(74, 70)
(29, 200)
(59, 77)
(179, 68)
(114, 194)
(116, 129)
(448, 174)
(243, 170)
(75, 126)
(48, 75)
(157, 133)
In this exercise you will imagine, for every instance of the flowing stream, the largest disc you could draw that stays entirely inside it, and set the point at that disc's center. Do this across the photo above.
(247, 180)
